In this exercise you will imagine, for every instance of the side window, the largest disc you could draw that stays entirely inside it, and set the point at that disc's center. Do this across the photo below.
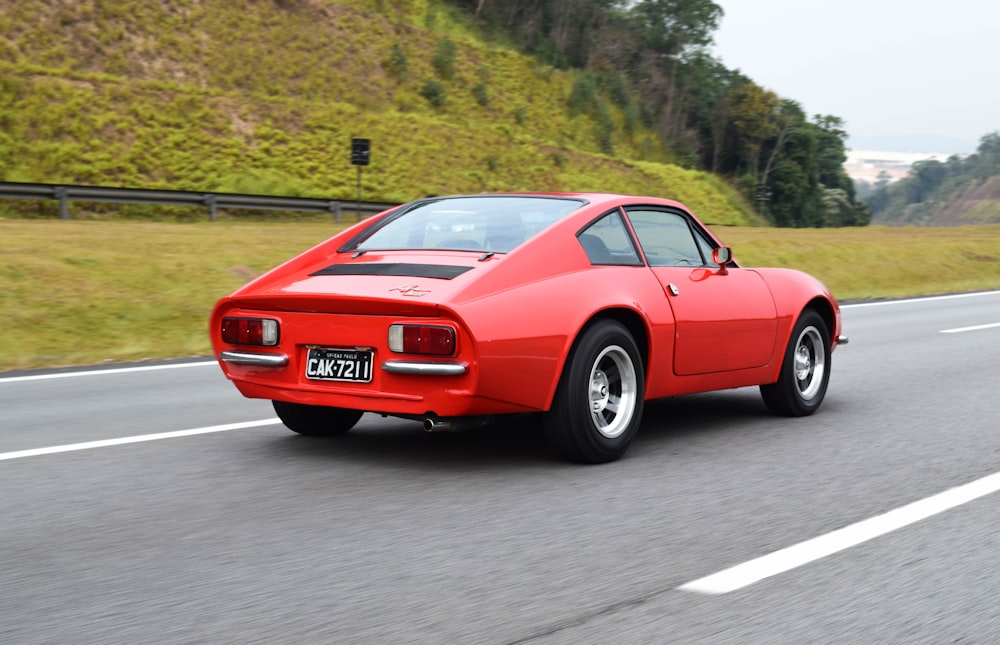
(667, 239)
(706, 249)
(607, 241)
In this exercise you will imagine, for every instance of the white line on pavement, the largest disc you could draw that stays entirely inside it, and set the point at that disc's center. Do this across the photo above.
(959, 330)
(104, 443)
(116, 370)
(747, 573)
(953, 296)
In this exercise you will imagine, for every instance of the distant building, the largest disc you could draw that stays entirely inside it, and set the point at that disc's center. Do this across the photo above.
(867, 165)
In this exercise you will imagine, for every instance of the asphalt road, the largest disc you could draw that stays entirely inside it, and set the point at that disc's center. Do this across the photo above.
(240, 531)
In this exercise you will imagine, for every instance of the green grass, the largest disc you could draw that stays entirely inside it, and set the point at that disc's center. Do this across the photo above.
(878, 261)
(86, 292)
(94, 291)
(264, 97)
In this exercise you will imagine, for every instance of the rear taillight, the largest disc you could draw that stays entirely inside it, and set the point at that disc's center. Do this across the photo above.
(249, 331)
(422, 339)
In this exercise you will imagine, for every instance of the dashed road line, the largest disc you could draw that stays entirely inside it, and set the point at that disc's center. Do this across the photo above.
(747, 573)
(105, 443)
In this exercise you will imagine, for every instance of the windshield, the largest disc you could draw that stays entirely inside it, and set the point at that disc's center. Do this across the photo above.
(495, 224)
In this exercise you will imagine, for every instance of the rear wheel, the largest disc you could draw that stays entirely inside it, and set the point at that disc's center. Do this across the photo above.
(316, 420)
(805, 370)
(598, 405)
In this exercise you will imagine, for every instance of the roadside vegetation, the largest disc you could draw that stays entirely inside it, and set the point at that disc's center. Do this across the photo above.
(265, 97)
(961, 190)
(87, 292)
(456, 96)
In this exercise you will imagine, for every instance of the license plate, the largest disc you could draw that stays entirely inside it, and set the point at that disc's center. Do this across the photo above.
(329, 364)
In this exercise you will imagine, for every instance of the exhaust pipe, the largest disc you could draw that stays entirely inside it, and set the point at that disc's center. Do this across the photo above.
(454, 424)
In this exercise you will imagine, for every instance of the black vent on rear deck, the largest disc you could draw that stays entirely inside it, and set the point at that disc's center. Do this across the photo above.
(443, 271)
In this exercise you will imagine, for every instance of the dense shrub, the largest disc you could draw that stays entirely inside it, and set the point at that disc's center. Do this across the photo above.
(397, 63)
(444, 58)
(481, 93)
(434, 92)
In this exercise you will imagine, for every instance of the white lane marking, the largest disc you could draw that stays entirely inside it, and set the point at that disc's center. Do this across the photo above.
(953, 296)
(116, 370)
(747, 573)
(104, 443)
(959, 330)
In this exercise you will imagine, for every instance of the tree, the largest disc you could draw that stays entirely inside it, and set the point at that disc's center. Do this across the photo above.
(925, 177)
(986, 162)
(707, 106)
(672, 27)
(672, 31)
(831, 153)
(794, 179)
(752, 116)
(786, 118)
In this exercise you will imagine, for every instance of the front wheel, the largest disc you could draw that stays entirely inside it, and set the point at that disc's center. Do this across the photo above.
(316, 420)
(805, 370)
(598, 404)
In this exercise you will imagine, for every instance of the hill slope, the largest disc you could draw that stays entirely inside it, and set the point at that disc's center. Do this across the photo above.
(264, 97)
(961, 190)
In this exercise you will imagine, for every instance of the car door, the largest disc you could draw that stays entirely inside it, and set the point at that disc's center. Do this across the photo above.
(725, 319)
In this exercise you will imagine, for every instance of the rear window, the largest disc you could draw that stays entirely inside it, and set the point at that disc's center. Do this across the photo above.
(495, 224)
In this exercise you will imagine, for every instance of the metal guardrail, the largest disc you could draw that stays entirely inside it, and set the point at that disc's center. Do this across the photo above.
(65, 193)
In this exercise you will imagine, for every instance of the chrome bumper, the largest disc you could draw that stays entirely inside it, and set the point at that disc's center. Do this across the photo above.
(248, 358)
(436, 369)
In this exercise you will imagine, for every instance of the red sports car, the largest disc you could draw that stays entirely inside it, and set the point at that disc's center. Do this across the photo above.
(453, 310)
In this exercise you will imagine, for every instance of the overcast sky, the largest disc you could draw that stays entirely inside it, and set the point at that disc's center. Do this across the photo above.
(905, 75)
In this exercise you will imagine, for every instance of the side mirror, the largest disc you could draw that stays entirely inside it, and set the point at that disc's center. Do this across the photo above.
(723, 256)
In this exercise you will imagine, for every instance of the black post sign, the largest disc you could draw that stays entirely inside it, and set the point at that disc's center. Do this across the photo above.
(360, 156)
(360, 152)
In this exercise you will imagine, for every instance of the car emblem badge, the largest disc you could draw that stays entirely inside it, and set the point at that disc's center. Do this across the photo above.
(410, 290)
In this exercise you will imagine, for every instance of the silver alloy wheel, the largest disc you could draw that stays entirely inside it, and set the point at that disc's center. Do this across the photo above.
(612, 391)
(810, 362)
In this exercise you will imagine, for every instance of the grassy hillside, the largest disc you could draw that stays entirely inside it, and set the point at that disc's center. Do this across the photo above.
(84, 292)
(264, 97)
(971, 202)
(960, 190)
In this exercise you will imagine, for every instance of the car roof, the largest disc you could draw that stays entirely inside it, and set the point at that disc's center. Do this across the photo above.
(594, 198)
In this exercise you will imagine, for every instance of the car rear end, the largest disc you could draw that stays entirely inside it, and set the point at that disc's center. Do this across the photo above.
(376, 343)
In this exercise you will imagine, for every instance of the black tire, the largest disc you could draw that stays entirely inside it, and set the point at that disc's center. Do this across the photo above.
(805, 369)
(598, 404)
(315, 420)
